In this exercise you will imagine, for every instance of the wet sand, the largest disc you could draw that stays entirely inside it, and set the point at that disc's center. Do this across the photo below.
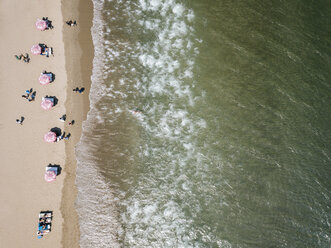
(79, 57)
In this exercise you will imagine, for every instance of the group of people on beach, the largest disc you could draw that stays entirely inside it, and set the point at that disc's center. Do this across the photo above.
(71, 23)
(63, 118)
(63, 136)
(45, 218)
(45, 223)
(30, 95)
(48, 22)
(79, 90)
(25, 58)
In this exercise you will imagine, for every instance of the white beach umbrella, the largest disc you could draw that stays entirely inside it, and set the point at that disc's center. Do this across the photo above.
(46, 103)
(44, 79)
(36, 49)
(41, 25)
(50, 137)
(50, 176)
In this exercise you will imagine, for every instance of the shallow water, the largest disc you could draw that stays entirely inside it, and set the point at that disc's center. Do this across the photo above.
(209, 125)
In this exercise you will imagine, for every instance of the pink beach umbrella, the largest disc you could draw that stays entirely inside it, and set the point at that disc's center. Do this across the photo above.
(44, 79)
(36, 49)
(46, 103)
(50, 137)
(50, 176)
(41, 25)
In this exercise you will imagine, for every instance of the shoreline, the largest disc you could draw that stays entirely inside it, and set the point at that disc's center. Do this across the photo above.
(79, 53)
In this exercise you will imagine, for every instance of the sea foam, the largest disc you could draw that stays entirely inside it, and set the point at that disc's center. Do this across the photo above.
(158, 68)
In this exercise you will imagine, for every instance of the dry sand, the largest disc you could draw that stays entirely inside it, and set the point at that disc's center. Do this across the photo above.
(24, 154)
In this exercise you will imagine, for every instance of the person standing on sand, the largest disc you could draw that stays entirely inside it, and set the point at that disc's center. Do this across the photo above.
(28, 92)
(62, 135)
(26, 58)
(20, 121)
(79, 90)
(63, 118)
(71, 23)
(19, 57)
(33, 96)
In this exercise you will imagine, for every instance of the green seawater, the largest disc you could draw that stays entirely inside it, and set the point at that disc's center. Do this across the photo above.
(265, 68)
(212, 128)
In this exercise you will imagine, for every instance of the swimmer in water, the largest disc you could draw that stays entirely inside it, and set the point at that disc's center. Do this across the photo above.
(137, 111)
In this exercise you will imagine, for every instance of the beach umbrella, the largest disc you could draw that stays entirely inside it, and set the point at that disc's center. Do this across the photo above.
(36, 49)
(50, 176)
(50, 137)
(46, 103)
(44, 79)
(41, 24)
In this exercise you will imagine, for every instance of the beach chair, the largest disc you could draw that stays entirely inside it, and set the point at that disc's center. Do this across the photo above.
(49, 51)
(47, 227)
(50, 75)
(51, 99)
(51, 173)
(52, 168)
(45, 220)
(45, 214)
(45, 223)
(42, 233)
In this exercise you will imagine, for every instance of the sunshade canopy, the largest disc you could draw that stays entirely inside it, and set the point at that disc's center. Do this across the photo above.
(41, 25)
(50, 176)
(36, 49)
(47, 103)
(50, 137)
(45, 78)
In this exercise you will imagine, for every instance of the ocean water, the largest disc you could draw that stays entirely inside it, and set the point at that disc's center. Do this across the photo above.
(209, 125)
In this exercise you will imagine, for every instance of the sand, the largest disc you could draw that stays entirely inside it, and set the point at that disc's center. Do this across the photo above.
(24, 154)
(79, 57)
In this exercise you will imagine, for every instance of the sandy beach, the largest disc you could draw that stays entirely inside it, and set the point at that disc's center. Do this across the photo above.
(79, 57)
(24, 153)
